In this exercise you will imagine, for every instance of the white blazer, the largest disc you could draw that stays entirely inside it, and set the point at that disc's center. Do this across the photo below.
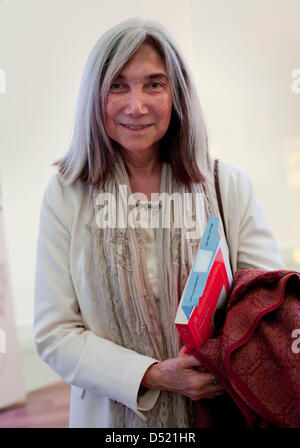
(99, 370)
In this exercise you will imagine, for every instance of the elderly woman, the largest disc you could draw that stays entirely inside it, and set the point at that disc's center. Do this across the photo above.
(107, 292)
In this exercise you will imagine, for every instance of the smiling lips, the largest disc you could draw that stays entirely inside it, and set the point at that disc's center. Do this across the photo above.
(135, 127)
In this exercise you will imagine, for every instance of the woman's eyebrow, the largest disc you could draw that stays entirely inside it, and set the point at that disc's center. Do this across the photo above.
(151, 76)
(157, 75)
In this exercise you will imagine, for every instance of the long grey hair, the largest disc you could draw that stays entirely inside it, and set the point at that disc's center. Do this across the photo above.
(90, 156)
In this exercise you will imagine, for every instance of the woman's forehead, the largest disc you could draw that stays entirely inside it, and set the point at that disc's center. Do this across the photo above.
(145, 61)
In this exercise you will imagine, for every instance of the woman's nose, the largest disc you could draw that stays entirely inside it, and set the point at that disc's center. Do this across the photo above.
(136, 103)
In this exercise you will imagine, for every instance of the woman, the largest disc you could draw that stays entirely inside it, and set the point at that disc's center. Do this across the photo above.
(106, 295)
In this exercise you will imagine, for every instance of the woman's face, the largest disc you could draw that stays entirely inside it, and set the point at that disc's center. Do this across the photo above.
(139, 103)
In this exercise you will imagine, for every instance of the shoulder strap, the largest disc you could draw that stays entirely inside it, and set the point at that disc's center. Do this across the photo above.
(219, 198)
(218, 192)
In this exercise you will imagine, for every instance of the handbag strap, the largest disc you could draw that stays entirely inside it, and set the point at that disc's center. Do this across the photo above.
(218, 192)
(219, 199)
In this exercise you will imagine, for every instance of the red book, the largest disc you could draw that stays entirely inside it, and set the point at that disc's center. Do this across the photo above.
(203, 320)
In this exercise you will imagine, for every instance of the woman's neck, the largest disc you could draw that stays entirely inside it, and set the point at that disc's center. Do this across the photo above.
(143, 164)
(144, 171)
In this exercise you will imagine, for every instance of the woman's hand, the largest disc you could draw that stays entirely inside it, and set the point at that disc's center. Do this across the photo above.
(181, 375)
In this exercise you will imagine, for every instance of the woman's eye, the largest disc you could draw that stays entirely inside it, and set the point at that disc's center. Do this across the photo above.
(116, 86)
(155, 85)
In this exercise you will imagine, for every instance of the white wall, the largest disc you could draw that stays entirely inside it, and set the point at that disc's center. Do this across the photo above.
(242, 55)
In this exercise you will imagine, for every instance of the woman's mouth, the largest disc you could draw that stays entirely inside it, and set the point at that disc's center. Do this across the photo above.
(135, 128)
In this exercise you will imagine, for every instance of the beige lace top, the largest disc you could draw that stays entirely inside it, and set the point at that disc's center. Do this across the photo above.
(151, 251)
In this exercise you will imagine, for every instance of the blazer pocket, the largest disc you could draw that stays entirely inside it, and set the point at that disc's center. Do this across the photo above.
(78, 391)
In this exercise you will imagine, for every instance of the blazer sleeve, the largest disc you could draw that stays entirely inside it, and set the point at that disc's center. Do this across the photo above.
(250, 239)
(77, 355)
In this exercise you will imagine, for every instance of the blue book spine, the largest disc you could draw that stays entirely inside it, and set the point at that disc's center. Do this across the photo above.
(201, 266)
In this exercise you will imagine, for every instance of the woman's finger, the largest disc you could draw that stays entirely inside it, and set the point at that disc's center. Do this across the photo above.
(183, 351)
(213, 395)
(188, 361)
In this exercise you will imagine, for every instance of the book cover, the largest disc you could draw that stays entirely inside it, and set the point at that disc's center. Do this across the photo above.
(202, 305)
